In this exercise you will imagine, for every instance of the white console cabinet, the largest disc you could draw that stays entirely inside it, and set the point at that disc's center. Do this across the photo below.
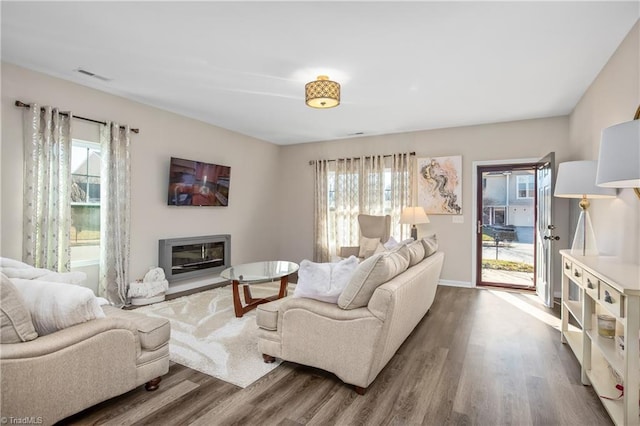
(594, 285)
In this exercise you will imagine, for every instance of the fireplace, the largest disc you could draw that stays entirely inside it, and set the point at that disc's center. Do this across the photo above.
(192, 257)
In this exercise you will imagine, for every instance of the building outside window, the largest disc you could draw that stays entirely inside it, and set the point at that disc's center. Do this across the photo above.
(85, 201)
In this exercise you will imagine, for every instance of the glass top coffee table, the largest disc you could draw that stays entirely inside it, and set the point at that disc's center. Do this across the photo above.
(257, 273)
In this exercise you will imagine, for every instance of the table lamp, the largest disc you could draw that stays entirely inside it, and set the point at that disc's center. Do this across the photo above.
(413, 216)
(619, 156)
(577, 179)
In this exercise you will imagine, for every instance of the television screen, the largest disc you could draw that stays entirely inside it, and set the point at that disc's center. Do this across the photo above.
(193, 183)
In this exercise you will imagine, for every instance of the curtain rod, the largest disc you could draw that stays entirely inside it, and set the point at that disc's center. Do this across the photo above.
(312, 162)
(23, 105)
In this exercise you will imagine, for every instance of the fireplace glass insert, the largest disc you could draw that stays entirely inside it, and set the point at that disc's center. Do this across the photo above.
(183, 258)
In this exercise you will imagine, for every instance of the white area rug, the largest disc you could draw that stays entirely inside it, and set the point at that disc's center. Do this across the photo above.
(206, 335)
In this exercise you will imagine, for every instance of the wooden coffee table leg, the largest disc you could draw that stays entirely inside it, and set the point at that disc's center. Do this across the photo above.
(284, 281)
(250, 302)
(248, 298)
(237, 306)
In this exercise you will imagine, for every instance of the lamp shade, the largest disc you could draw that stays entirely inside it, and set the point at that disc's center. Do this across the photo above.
(619, 156)
(322, 93)
(578, 178)
(413, 215)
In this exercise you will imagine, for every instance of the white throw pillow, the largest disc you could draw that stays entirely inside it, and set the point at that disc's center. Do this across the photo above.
(54, 306)
(368, 246)
(324, 281)
(391, 243)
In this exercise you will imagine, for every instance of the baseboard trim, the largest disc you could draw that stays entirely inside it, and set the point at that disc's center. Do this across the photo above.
(452, 283)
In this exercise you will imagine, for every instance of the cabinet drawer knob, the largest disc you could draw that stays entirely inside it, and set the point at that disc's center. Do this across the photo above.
(567, 266)
(589, 283)
(576, 273)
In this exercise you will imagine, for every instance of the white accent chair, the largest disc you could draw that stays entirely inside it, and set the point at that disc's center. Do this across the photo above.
(370, 227)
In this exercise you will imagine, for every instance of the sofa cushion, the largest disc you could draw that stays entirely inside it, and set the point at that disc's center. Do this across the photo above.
(416, 252)
(393, 243)
(368, 247)
(403, 251)
(15, 320)
(324, 281)
(370, 274)
(153, 332)
(430, 243)
(54, 306)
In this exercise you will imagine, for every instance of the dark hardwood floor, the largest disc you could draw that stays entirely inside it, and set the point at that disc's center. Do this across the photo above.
(480, 357)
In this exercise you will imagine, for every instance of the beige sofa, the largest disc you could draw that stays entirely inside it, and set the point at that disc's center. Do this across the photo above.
(353, 343)
(59, 374)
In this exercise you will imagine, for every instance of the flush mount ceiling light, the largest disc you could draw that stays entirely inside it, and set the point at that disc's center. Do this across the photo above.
(322, 93)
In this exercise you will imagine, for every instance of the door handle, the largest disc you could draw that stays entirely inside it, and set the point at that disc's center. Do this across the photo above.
(479, 227)
(551, 237)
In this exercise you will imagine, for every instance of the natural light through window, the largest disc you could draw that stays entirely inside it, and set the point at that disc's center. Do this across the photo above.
(85, 201)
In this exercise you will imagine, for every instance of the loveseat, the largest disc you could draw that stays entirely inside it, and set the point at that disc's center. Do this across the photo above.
(354, 340)
(49, 377)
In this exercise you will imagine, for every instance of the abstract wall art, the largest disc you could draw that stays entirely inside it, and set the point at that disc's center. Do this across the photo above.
(440, 184)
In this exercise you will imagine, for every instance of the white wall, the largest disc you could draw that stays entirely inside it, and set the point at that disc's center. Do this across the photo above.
(513, 140)
(612, 98)
(254, 165)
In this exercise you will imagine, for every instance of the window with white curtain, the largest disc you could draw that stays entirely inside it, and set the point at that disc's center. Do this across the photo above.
(377, 185)
(85, 202)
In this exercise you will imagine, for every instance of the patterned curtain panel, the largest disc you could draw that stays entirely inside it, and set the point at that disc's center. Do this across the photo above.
(400, 192)
(321, 233)
(344, 188)
(115, 213)
(47, 178)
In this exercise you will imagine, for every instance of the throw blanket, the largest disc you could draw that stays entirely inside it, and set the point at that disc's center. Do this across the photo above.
(54, 306)
(15, 269)
(148, 289)
(153, 284)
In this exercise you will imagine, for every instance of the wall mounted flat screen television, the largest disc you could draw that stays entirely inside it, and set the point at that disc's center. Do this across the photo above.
(194, 183)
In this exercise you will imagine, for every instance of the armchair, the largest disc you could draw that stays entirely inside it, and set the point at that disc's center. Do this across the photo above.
(60, 374)
(370, 227)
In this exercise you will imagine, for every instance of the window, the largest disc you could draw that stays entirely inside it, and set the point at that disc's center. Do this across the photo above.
(351, 179)
(85, 200)
(353, 191)
(494, 215)
(525, 186)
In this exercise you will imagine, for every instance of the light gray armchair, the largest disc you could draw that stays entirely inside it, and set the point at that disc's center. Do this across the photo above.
(370, 227)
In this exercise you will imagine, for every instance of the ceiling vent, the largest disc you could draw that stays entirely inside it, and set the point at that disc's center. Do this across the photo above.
(93, 75)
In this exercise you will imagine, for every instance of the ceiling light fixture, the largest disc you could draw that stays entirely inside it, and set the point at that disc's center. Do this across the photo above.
(322, 93)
